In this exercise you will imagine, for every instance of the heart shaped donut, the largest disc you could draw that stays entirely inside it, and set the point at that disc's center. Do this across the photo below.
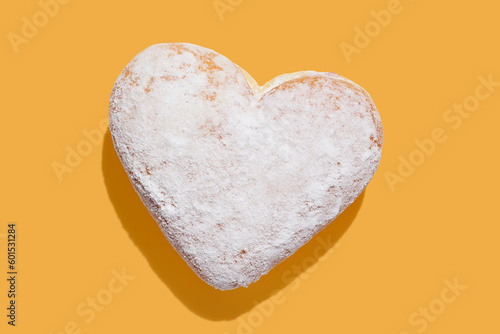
(239, 176)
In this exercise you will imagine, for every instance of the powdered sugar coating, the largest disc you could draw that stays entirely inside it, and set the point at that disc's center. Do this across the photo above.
(239, 176)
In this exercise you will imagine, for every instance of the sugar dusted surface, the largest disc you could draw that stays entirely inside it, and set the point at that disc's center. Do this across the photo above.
(240, 176)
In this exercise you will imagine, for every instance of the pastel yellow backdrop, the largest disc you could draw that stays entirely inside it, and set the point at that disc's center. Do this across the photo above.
(418, 252)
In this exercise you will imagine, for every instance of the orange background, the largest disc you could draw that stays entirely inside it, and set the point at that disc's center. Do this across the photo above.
(395, 247)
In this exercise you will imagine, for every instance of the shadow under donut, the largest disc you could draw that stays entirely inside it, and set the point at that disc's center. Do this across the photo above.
(197, 295)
